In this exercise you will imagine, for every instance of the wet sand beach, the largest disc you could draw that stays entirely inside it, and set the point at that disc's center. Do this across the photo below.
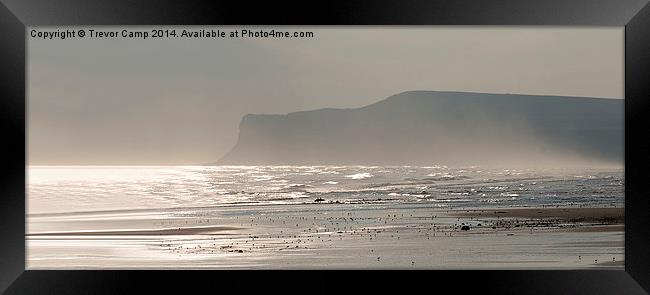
(330, 235)
(570, 213)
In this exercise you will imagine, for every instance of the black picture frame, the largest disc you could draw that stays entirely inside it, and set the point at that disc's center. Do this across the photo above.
(16, 15)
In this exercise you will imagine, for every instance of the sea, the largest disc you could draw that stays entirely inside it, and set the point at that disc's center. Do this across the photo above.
(66, 189)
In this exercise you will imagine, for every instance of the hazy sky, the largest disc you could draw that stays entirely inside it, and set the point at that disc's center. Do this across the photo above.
(179, 101)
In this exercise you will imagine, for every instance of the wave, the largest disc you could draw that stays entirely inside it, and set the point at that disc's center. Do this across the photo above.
(360, 175)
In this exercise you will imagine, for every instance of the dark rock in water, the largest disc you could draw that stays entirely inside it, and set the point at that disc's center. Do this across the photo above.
(319, 200)
(465, 227)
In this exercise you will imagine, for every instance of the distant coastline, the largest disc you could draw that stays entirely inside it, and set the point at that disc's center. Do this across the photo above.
(445, 127)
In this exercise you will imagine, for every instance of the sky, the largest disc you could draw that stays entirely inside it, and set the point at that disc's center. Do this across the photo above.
(176, 101)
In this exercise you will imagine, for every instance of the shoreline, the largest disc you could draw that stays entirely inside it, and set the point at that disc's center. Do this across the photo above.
(597, 218)
(335, 236)
(213, 230)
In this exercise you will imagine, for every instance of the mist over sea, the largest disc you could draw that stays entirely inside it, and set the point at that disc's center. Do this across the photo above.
(52, 189)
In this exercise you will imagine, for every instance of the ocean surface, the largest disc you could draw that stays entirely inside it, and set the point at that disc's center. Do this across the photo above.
(65, 189)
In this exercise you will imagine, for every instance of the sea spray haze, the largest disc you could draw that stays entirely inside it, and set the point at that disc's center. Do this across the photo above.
(451, 128)
(439, 176)
(76, 188)
(303, 153)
